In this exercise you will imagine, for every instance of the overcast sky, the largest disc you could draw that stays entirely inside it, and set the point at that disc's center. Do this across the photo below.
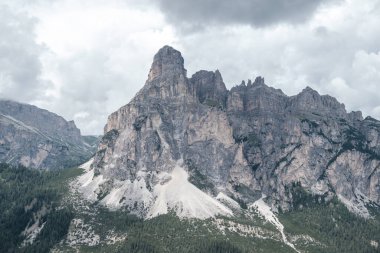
(83, 59)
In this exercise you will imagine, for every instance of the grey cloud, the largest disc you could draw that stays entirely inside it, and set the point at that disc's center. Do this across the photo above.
(85, 86)
(202, 13)
(85, 80)
(91, 88)
(20, 66)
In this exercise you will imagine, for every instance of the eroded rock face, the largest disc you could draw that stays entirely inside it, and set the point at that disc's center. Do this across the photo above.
(38, 138)
(248, 141)
(209, 88)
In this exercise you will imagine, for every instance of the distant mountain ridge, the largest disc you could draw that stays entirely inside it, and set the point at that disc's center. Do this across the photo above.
(37, 138)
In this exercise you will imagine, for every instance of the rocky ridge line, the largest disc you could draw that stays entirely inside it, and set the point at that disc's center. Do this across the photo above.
(250, 141)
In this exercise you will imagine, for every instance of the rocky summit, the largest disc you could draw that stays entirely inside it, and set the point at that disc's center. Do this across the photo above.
(37, 138)
(189, 145)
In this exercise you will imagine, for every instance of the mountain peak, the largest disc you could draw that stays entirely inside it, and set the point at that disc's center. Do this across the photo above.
(308, 89)
(166, 62)
(237, 142)
(259, 81)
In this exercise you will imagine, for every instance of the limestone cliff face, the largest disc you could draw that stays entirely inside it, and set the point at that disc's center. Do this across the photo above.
(38, 138)
(166, 122)
(248, 141)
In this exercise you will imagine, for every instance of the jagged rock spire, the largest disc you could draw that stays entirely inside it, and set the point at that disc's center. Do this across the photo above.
(209, 87)
(259, 81)
(167, 62)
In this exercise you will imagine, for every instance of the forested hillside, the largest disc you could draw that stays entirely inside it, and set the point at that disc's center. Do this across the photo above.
(31, 197)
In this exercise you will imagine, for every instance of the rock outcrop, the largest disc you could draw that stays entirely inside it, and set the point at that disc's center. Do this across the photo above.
(37, 138)
(250, 141)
